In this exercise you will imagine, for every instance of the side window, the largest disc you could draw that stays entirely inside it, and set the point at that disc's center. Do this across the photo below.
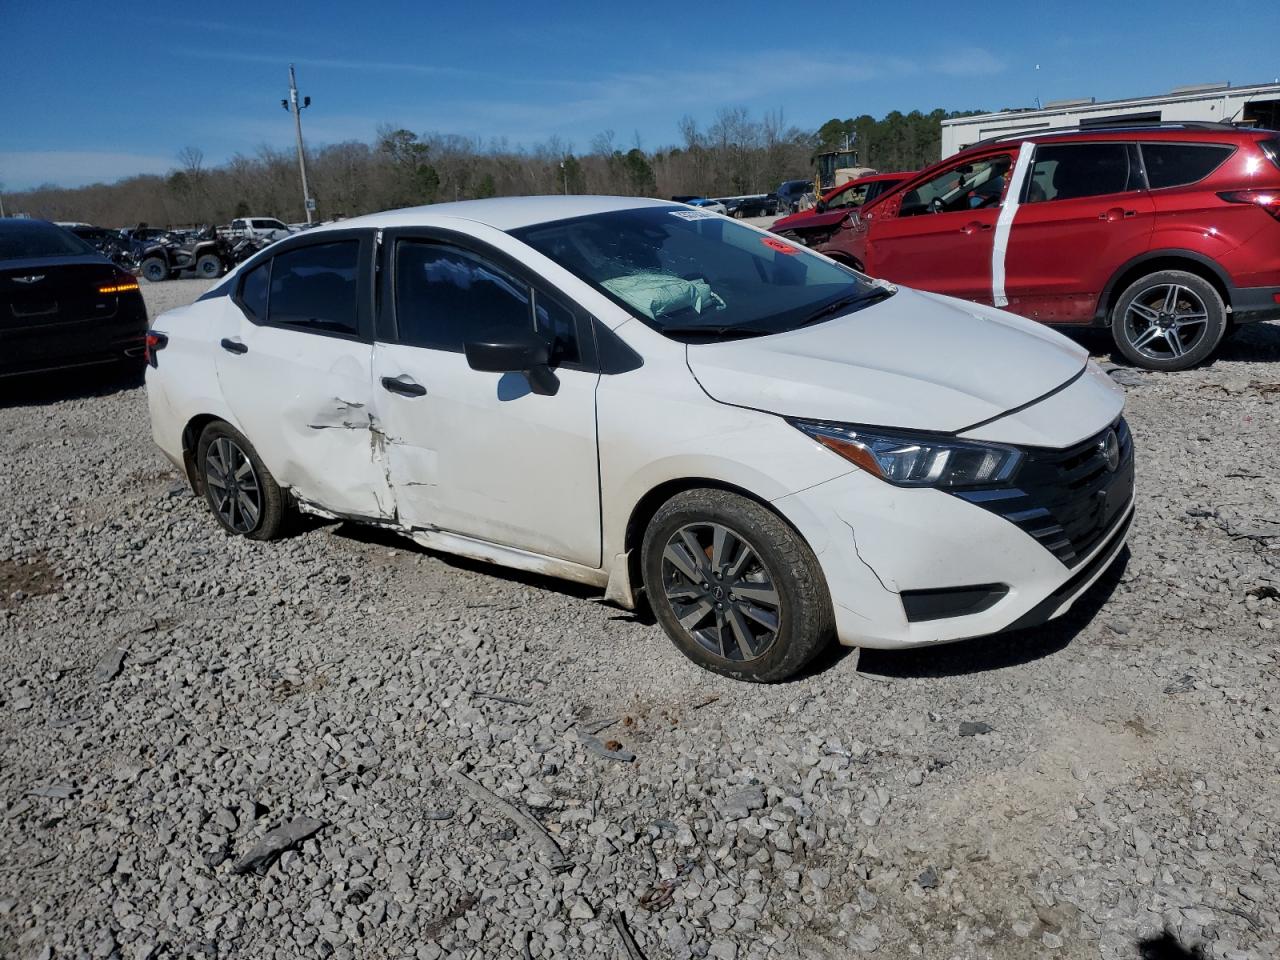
(315, 287)
(237, 224)
(1069, 171)
(446, 296)
(253, 291)
(969, 186)
(558, 325)
(1176, 164)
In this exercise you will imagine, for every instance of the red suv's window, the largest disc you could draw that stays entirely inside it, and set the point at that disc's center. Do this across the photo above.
(1068, 171)
(1176, 164)
(969, 186)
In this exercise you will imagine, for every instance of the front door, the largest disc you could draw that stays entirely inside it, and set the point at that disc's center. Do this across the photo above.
(1084, 210)
(294, 365)
(939, 235)
(480, 454)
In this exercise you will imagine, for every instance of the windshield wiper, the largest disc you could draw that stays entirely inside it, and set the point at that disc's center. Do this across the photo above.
(716, 331)
(871, 296)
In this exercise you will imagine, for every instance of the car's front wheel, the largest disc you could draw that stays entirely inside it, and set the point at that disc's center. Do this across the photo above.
(735, 588)
(1169, 320)
(240, 490)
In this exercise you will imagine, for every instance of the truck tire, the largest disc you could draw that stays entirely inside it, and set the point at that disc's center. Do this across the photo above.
(155, 269)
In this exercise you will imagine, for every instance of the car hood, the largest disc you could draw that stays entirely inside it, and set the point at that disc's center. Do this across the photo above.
(810, 219)
(915, 361)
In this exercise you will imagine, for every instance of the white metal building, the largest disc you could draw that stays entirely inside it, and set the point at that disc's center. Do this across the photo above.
(1257, 104)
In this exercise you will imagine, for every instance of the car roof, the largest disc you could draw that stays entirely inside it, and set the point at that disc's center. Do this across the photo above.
(26, 225)
(501, 213)
(1190, 133)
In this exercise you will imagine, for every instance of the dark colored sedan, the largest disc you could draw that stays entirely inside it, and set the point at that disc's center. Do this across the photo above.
(63, 304)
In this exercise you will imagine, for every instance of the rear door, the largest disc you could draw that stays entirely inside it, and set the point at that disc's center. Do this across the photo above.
(294, 365)
(938, 235)
(1084, 212)
(480, 454)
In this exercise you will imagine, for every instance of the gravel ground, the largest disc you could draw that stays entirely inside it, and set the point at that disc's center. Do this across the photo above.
(468, 762)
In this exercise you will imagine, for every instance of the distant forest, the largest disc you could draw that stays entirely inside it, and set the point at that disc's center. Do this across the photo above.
(735, 154)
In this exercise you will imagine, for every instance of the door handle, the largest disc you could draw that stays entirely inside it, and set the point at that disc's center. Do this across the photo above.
(233, 346)
(1117, 213)
(405, 387)
(974, 226)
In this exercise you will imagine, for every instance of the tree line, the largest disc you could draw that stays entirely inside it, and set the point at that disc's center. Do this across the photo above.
(734, 154)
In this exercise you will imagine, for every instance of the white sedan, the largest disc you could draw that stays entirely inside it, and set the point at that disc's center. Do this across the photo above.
(774, 450)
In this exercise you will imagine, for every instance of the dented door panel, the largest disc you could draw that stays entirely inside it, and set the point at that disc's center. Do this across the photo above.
(305, 402)
(481, 455)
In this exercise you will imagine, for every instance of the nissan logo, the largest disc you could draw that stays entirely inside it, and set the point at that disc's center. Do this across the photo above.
(34, 278)
(1109, 447)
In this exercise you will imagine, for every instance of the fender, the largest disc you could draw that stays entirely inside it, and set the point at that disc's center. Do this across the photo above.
(1165, 253)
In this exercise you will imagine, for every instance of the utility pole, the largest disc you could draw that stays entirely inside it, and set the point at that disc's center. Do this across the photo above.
(565, 173)
(293, 104)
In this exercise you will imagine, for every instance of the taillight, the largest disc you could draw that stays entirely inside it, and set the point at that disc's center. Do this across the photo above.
(1268, 200)
(123, 283)
(155, 342)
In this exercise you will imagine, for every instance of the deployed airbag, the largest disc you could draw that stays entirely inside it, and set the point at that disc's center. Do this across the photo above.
(660, 295)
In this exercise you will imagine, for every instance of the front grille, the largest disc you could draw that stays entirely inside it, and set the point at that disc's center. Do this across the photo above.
(1068, 500)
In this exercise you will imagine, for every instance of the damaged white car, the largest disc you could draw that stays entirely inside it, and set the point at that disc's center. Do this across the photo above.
(775, 449)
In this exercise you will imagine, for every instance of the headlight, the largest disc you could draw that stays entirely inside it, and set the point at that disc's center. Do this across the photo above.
(916, 460)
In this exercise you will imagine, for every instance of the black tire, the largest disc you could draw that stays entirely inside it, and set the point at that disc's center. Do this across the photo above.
(1152, 325)
(155, 269)
(782, 565)
(209, 267)
(227, 499)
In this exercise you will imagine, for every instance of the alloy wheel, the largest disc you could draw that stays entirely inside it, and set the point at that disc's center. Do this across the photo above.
(1166, 321)
(721, 591)
(237, 494)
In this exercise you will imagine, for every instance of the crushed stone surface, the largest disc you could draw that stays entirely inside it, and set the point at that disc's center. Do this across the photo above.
(342, 745)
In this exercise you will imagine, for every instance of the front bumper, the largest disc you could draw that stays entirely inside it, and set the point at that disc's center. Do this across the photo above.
(882, 547)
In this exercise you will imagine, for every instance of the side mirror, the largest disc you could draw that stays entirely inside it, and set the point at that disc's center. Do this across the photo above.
(525, 353)
(820, 206)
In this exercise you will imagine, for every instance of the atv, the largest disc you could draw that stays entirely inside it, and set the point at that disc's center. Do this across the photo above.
(204, 255)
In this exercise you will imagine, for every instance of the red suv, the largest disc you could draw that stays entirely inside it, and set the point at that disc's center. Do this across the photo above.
(1167, 235)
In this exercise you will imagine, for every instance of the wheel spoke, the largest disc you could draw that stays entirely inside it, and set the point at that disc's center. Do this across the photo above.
(216, 479)
(245, 471)
(1175, 344)
(688, 592)
(756, 592)
(678, 556)
(741, 632)
(696, 550)
(1190, 320)
(1146, 336)
(248, 509)
(695, 614)
(766, 618)
(720, 542)
(1145, 312)
(1171, 298)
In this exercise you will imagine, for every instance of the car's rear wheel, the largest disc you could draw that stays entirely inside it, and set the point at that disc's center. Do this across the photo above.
(239, 489)
(155, 269)
(1169, 320)
(209, 267)
(735, 588)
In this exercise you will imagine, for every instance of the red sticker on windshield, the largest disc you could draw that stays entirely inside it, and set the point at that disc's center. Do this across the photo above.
(773, 243)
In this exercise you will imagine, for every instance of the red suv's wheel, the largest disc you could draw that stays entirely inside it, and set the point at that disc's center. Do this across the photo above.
(1170, 320)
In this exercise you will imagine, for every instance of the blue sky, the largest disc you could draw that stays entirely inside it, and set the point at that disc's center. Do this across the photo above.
(97, 91)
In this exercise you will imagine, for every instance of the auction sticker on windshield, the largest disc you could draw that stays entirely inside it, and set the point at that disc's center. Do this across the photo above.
(693, 214)
(773, 243)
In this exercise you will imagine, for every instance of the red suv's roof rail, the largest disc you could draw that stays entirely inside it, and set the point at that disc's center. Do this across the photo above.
(1108, 128)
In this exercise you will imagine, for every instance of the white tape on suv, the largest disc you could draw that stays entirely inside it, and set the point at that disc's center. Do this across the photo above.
(1004, 224)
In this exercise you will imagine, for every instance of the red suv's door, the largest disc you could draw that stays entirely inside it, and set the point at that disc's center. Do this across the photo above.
(1083, 214)
(938, 234)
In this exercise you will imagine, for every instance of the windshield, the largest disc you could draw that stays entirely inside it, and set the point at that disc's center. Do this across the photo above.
(685, 271)
(29, 240)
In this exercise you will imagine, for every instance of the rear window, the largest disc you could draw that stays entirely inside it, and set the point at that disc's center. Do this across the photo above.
(315, 288)
(1176, 164)
(28, 241)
